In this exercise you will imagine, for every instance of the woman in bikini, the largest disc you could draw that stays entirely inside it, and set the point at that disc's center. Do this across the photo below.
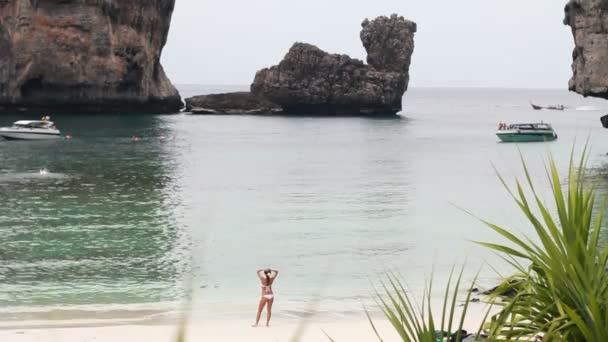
(267, 277)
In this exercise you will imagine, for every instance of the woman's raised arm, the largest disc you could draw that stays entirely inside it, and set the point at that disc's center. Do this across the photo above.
(259, 273)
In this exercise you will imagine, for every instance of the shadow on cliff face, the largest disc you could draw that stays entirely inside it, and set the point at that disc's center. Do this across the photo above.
(590, 53)
(93, 57)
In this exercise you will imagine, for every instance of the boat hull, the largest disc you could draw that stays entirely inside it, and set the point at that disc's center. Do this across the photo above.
(535, 107)
(13, 135)
(526, 137)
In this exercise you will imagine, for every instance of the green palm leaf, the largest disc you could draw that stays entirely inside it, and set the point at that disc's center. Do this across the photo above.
(563, 293)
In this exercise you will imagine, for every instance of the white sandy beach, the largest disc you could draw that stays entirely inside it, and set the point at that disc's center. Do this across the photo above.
(280, 331)
(230, 330)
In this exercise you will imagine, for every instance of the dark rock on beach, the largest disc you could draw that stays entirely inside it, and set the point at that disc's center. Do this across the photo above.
(508, 289)
(230, 103)
(85, 56)
(587, 19)
(311, 81)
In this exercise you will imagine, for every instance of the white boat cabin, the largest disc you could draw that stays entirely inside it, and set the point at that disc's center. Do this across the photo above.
(34, 124)
(531, 127)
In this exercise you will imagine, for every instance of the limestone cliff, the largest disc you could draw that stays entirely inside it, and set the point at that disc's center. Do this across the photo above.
(85, 56)
(311, 81)
(589, 22)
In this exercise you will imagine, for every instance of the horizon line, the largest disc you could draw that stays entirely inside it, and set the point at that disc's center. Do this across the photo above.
(410, 87)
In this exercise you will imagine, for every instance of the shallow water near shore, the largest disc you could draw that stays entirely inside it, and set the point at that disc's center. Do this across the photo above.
(123, 229)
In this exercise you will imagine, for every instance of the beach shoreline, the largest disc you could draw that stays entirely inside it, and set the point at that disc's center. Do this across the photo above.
(229, 330)
(166, 328)
(219, 330)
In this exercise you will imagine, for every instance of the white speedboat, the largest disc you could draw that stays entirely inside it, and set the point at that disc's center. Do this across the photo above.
(31, 130)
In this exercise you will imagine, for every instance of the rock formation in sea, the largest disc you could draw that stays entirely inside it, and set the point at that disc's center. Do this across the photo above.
(311, 81)
(231, 103)
(588, 20)
(85, 56)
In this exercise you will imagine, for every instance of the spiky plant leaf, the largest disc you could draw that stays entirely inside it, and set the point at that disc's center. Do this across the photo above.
(563, 284)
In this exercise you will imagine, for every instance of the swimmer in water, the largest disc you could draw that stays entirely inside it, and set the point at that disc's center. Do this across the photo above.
(267, 278)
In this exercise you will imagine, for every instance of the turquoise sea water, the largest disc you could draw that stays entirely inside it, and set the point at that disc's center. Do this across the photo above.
(120, 227)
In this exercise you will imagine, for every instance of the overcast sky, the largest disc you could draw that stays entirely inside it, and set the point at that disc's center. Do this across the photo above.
(464, 43)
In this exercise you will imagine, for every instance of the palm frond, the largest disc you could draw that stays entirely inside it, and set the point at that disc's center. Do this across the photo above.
(563, 293)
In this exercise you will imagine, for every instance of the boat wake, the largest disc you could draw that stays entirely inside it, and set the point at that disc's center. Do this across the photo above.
(587, 109)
